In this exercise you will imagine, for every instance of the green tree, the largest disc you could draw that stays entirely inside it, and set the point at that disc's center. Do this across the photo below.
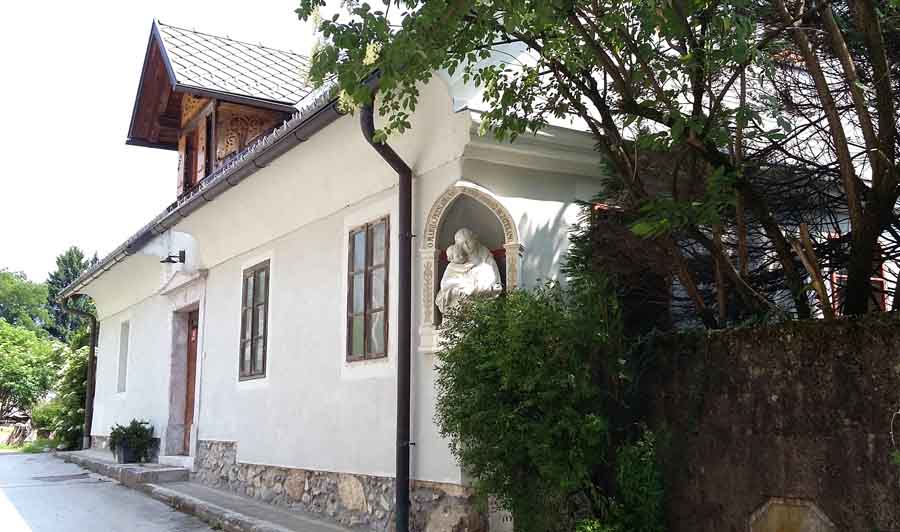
(28, 363)
(69, 265)
(23, 302)
(699, 83)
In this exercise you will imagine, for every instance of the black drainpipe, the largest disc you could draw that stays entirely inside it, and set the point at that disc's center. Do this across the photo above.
(404, 269)
(91, 371)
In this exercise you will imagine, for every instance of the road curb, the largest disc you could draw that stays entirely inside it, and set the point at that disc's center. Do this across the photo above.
(212, 514)
(131, 475)
(218, 517)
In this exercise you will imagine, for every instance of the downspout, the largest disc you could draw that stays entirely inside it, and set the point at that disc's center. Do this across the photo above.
(91, 371)
(404, 269)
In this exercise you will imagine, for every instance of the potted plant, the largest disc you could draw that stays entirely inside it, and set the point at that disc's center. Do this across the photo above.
(131, 443)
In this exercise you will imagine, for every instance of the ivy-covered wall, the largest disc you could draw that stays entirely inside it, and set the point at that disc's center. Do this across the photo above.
(800, 410)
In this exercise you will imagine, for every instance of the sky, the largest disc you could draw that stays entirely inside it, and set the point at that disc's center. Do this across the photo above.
(69, 76)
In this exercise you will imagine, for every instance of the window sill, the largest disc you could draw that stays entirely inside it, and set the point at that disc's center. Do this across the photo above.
(251, 383)
(366, 359)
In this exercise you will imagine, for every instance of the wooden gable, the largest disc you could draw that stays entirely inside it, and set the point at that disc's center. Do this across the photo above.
(156, 119)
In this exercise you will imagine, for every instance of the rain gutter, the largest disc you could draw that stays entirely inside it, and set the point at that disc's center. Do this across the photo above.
(322, 111)
(404, 296)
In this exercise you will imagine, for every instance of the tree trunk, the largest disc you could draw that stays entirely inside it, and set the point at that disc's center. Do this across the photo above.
(857, 293)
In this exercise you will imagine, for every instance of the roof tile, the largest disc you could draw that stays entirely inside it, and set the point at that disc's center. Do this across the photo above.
(221, 64)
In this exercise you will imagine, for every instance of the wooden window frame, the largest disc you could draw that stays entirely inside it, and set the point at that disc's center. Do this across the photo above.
(205, 119)
(253, 372)
(191, 150)
(209, 122)
(367, 272)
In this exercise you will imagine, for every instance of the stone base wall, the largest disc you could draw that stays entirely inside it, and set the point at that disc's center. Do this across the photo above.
(100, 443)
(353, 500)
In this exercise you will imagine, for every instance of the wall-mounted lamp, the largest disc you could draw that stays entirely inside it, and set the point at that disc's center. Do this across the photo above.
(174, 259)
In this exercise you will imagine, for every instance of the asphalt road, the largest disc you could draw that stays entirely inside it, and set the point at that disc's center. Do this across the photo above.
(40, 493)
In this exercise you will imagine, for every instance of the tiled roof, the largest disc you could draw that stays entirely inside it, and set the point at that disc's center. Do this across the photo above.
(220, 64)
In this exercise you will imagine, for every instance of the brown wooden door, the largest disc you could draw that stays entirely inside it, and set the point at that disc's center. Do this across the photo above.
(192, 331)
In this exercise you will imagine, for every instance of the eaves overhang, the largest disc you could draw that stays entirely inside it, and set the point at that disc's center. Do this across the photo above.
(159, 74)
(321, 111)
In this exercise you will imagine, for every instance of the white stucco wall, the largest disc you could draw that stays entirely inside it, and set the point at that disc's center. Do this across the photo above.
(314, 410)
(147, 367)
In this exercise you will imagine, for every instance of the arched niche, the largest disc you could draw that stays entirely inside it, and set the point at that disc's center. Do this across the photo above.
(467, 205)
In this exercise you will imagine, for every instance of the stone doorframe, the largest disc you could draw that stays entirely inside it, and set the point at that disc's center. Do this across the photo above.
(175, 430)
(186, 292)
(429, 253)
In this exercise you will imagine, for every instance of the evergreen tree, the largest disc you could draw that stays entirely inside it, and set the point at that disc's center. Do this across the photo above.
(69, 265)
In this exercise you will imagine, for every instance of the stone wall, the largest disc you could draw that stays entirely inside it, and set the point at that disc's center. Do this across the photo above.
(789, 420)
(353, 500)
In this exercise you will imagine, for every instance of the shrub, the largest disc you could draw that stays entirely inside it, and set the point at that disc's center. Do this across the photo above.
(639, 487)
(45, 414)
(70, 388)
(137, 436)
(531, 394)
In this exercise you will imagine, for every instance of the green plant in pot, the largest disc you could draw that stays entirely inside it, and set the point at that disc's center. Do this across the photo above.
(131, 443)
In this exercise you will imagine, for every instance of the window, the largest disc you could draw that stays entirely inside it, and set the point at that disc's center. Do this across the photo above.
(124, 333)
(254, 326)
(367, 291)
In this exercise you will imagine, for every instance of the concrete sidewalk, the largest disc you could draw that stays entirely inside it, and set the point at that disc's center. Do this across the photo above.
(220, 509)
(234, 512)
(39, 493)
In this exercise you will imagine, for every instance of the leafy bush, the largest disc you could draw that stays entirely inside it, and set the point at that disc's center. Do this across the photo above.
(45, 414)
(137, 436)
(70, 388)
(531, 395)
(639, 485)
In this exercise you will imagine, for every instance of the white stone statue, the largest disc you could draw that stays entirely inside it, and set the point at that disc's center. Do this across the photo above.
(471, 270)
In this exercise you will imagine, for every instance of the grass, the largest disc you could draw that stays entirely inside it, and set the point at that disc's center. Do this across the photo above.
(4, 433)
(9, 449)
(37, 446)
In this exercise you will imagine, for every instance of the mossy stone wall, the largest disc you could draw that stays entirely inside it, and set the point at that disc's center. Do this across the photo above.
(800, 410)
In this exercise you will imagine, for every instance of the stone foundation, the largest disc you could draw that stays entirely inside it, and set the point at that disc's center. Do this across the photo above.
(101, 443)
(353, 500)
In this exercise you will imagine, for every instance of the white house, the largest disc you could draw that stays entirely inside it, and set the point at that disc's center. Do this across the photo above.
(254, 322)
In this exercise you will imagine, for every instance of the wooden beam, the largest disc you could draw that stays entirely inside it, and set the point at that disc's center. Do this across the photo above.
(160, 110)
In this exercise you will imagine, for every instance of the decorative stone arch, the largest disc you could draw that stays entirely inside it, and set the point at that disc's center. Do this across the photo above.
(430, 252)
